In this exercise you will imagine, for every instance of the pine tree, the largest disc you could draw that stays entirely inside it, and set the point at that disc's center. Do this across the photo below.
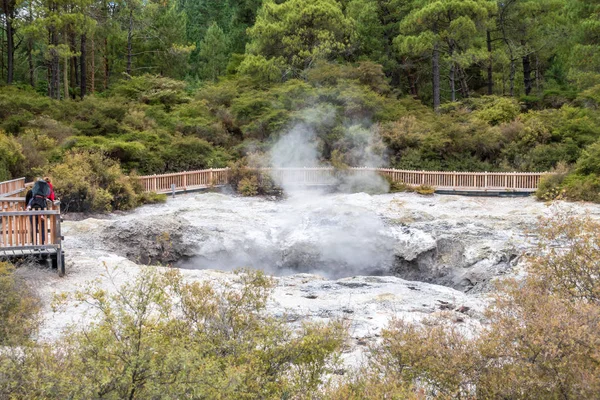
(213, 52)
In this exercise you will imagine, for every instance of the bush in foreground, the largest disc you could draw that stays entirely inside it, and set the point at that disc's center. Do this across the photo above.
(542, 340)
(19, 307)
(161, 337)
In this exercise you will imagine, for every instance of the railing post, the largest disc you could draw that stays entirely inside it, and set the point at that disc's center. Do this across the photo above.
(154, 183)
(422, 177)
(59, 260)
(184, 180)
(485, 180)
(210, 177)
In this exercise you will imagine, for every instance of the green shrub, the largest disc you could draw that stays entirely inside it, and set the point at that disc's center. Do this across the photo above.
(396, 187)
(496, 110)
(87, 181)
(582, 187)
(159, 336)
(550, 186)
(589, 162)
(590, 98)
(191, 153)
(245, 175)
(11, 158)
(425, 190)
(153, 89)
(151, 198)
(248, 186)
(19, 308)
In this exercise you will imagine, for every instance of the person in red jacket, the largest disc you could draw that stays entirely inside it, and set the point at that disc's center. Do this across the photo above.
(52, 197)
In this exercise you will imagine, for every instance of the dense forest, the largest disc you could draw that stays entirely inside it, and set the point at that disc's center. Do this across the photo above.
(164, 86)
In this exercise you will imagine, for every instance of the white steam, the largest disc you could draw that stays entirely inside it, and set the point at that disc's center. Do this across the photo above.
(321, 233)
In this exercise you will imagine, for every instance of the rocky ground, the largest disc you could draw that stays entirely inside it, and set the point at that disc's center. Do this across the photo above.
(363, 258)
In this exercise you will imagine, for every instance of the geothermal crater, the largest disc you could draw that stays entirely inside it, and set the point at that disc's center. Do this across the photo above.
(452, 241)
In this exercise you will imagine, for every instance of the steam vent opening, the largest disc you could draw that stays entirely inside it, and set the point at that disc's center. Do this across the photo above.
(433, 239)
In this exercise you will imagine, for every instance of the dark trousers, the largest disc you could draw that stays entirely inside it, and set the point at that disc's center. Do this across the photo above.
(38, 224)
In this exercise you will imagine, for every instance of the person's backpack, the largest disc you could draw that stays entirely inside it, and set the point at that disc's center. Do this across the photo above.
(41, 188)
(40, 192)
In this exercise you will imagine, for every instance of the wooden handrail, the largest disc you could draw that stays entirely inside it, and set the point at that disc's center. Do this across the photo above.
(18, 204)
(442, 180)
(12, 187)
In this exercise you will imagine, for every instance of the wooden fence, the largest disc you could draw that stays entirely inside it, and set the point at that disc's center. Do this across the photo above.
(18, 204)
(29, 228)
(32, 233)
(188, 180)
(439, 180)
(12, 187)
(480, 181)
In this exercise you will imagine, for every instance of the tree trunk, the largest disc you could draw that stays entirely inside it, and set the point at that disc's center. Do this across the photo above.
(55, 66)
(74, 65)
(527, 74)
(30, 62)
(513, 71)
(537, 73)
(452, 73)
(93, 68)
(66, 77)
(437, 100)
(129, 42)
(490, 80)
(83, 65)
(464, 85)
(105, 63)
(30, 51)
(2, 54)
(412, 81)
(10, 43)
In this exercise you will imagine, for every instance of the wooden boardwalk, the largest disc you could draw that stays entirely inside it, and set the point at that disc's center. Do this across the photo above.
(441, 181)
(29, 234)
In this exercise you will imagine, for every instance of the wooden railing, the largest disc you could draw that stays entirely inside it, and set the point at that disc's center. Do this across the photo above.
(12, 187)
(18, 204)
(29, 228)
(440, 180)
(185, 180)
(32, 233)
